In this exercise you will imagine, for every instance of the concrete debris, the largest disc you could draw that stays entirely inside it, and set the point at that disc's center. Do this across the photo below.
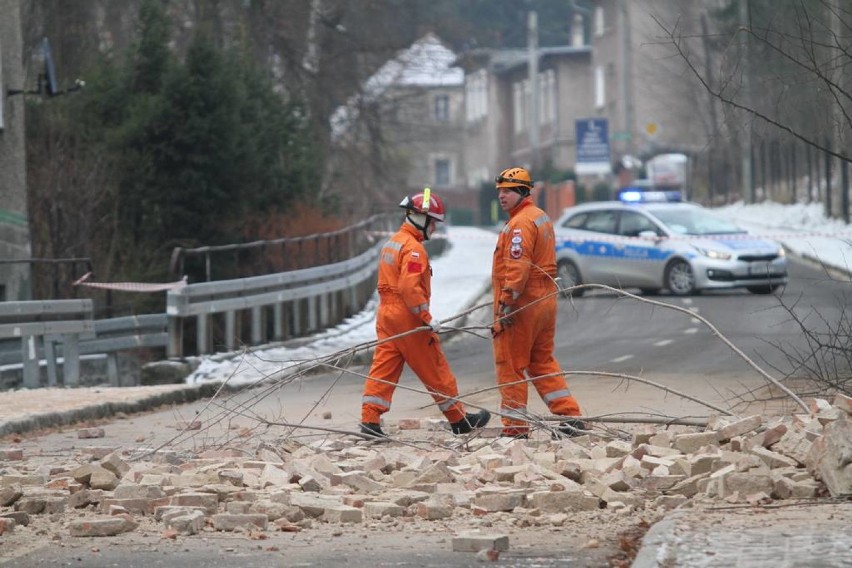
(541, 482)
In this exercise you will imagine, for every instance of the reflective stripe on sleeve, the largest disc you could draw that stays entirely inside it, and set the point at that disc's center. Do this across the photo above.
(421, 308)
(393, 245)
(541, 220)
(447, 404)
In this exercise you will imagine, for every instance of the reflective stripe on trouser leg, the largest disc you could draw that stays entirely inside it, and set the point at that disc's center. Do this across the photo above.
(510, 362)
(422, 352)
(427, 360)
(376, 400)
(552, 386)
(387, 366)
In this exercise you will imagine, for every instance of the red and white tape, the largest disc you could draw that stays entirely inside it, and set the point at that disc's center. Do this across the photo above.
(842, 235)
(130, 286)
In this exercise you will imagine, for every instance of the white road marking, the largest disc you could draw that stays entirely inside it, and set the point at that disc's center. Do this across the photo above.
(691, 330)
(664, 342)
(620, 359)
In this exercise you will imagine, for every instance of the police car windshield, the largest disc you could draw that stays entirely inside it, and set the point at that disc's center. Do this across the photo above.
(694, 221)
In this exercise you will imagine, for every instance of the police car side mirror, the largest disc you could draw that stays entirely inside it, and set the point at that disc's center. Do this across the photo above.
(648, 234)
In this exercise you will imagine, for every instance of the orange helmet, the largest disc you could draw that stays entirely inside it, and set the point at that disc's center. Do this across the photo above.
(518, 178)
(425, 203)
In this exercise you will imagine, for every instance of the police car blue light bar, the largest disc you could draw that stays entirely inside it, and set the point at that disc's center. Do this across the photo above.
(630, 195)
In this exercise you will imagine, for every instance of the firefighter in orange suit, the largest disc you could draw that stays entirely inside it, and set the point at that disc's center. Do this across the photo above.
(405, 287)
(523, 281)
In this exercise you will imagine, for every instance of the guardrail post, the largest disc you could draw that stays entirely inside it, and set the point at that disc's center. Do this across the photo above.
(202, 334)
(278, 328)
(324, 311)
(29, 355)
(312, 313)
(257, 325)
(175, 348)
(50, 359)
(112, 370)
(230, 330)
(71, 359)
(296, 318)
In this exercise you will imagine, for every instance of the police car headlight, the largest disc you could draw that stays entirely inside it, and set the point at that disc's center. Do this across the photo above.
(714, 254)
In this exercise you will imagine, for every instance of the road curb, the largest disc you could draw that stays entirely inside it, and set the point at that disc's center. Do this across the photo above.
(659, 548)
(188, 393)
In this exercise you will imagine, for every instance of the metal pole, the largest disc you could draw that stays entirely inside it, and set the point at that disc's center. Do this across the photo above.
(532, 54)
(748, 187)
(828, 178)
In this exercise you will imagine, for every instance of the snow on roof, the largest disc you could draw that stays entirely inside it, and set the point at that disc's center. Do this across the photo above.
(426, 63)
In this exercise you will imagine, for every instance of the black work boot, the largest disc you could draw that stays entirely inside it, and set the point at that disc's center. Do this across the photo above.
(570, 429)
(372, 429)
(471, 421)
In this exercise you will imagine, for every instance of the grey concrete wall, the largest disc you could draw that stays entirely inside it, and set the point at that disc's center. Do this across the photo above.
(14, 226)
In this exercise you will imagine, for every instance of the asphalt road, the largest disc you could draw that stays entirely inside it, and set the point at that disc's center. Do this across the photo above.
(596, 333)
(599, 332)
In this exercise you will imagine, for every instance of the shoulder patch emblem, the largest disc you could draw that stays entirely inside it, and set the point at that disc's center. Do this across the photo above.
(516, 240)
(516, 251)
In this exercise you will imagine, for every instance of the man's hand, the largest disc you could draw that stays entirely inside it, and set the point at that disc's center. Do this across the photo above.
(435, 325)
(503, 312)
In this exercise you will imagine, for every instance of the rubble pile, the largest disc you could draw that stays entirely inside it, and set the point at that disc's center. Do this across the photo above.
(487, 482)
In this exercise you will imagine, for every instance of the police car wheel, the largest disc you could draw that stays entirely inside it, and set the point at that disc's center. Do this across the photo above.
(680, 280)
(569, 275)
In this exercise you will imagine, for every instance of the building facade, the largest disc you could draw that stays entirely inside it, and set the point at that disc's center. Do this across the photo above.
(640, 83)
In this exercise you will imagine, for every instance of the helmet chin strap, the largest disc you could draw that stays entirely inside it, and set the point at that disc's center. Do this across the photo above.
(423, 228)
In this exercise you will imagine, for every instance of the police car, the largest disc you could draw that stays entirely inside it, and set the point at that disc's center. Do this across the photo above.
(652, 240)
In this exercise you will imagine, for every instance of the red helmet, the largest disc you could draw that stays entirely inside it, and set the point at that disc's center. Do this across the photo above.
(425, 203)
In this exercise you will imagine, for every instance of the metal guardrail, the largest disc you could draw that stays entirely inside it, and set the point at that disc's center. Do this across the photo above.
(199, 316)
(277, 306)
(58, 344)
(231, 261)
(39, 326)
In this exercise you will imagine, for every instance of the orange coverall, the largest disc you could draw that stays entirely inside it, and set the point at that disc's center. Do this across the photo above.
(523, 271)
(405, 287)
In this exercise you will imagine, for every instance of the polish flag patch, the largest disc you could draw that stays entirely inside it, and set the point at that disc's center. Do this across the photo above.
(415, 267)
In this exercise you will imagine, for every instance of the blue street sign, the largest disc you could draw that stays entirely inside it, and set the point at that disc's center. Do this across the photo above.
(593, 155)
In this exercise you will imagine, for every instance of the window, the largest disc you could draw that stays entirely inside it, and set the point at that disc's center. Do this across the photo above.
(443, 174)
(547, 109)
(597, 221)
(577, 34)
(476, 96)
(442, 108)
(518, 106)
(633, 223)
(599, 21)
(600, 85)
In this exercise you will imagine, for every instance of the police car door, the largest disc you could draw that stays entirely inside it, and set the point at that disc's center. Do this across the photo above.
(597, 248)
(637, 258)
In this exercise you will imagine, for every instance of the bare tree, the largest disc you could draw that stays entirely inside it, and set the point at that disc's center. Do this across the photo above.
(781, 72)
